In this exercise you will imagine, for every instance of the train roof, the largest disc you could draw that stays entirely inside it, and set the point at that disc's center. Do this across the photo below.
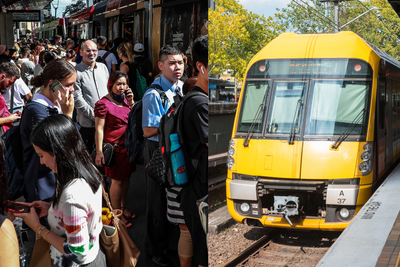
(344, 44)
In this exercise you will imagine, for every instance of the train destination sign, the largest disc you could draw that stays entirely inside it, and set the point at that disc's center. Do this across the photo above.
(21, 15)
(338, 68)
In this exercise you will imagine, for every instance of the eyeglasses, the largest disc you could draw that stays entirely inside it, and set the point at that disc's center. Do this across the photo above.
(88, 51)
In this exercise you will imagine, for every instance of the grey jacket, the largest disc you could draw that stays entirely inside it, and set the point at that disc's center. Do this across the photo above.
(90, 87)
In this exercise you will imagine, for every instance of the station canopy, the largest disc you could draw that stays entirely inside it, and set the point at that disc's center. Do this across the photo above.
(30, 4)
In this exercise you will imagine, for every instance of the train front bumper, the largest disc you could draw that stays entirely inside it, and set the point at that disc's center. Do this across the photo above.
(245, 205)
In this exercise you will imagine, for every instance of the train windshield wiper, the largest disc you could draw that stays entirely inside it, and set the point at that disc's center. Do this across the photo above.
(257, 117)
(349, 129)
(295, 121)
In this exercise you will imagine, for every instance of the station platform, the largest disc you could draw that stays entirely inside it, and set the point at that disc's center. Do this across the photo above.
(372, 238)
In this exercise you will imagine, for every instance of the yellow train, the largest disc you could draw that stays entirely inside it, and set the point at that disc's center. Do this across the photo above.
(317, 126)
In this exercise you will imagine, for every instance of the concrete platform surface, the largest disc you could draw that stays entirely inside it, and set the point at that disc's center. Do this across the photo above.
(369, 236)
(219, 220)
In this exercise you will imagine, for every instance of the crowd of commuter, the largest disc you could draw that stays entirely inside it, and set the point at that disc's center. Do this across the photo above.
(60, 128)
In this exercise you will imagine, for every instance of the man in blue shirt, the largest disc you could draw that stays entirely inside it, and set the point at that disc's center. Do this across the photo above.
(171, 67)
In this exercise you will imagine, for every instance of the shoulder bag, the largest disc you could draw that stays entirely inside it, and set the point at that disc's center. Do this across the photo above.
(118, 247)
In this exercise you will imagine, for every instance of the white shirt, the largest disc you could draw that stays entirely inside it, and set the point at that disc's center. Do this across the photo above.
(19, 61)
(45, 101)
(20, 89)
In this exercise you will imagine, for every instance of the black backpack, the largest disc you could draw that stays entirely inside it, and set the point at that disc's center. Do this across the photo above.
(103, 58)
(134, 140)
(13, 159)
(171, 123)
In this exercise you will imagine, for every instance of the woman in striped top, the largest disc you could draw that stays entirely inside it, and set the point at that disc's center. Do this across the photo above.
(74, 215)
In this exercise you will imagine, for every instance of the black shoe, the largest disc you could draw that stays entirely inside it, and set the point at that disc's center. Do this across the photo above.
(159, 260)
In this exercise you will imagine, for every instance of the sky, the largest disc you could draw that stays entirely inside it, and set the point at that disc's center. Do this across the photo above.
(61, 6)
(264, 7)
(261, 7)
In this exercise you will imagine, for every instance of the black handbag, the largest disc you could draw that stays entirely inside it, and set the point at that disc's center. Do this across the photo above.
(108, 152)
(156, 168)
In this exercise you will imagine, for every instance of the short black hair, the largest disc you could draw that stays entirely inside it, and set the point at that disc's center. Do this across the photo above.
(25, 50)
(200, 50)
(101, 40)
(168, 50)
(56, 37)
(10, 69)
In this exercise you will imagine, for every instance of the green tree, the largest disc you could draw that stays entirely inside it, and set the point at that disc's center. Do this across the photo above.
(73, 8)
(236, 35)
(312, 16)
(49, 18)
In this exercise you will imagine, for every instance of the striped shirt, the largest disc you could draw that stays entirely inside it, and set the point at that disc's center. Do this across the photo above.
(174, 213)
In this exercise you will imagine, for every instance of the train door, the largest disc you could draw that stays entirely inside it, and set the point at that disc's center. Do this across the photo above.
(389, 136)
(284, 124)
(381, 124)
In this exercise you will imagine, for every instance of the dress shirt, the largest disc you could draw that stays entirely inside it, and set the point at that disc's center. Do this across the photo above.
(90, 87)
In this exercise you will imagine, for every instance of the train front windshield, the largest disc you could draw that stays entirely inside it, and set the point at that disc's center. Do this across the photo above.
(314, 97)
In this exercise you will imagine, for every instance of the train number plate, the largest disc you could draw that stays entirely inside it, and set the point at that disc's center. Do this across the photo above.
(343, 195)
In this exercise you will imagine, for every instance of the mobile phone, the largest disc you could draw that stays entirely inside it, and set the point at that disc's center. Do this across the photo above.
(19, 207)
(55, 85)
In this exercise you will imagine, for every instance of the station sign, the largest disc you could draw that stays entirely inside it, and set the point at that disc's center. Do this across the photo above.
(25, 15)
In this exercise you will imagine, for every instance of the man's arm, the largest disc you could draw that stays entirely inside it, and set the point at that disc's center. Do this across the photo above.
(80, 102)
(150, 131)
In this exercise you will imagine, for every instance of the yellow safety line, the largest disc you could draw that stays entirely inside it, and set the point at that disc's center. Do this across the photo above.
(398, 260)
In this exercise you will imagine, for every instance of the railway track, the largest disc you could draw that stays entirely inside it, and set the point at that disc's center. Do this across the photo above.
(286, 248)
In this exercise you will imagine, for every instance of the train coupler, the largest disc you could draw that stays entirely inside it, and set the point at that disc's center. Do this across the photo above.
(287, 206)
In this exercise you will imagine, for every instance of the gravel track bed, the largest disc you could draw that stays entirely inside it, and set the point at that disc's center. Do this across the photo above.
(229, 243)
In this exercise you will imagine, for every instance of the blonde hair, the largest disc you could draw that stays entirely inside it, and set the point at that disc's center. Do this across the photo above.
(126, 50)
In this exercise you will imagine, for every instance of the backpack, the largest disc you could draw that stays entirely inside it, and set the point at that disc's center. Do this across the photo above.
(134, 140)
(13, 159)
(171, 123)
(141, 84)
(103, 58)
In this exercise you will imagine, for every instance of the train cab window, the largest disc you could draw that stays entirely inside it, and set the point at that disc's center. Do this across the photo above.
(253, 107)
(335, 105)
(286, 107)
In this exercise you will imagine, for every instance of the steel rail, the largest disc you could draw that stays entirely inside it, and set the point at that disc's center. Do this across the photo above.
(245, 254)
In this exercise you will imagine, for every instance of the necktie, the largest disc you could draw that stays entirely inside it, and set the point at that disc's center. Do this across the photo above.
(178, 91)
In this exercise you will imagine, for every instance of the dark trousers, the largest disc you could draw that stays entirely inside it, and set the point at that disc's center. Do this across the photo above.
(199, 239)
(156, 210)
(88, 137)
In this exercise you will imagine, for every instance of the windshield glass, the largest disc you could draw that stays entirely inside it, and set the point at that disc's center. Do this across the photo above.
(283, 107)
(255, 94)
(334, 104)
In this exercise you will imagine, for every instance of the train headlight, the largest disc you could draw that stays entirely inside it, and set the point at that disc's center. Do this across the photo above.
(366, 165)
(245, 207)
(230, 162)
(367, 147)
(231, 151)
(344, 214)
(231, 143)
(365, 156)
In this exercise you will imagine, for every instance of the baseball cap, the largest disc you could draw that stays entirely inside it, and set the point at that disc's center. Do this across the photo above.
(138, 47)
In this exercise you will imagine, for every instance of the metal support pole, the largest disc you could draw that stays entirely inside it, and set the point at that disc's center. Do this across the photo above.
(336, 16)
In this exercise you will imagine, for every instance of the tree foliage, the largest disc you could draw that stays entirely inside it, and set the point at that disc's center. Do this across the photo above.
(49, 18)
(236, 35)
(73, 8)
(377, 27)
